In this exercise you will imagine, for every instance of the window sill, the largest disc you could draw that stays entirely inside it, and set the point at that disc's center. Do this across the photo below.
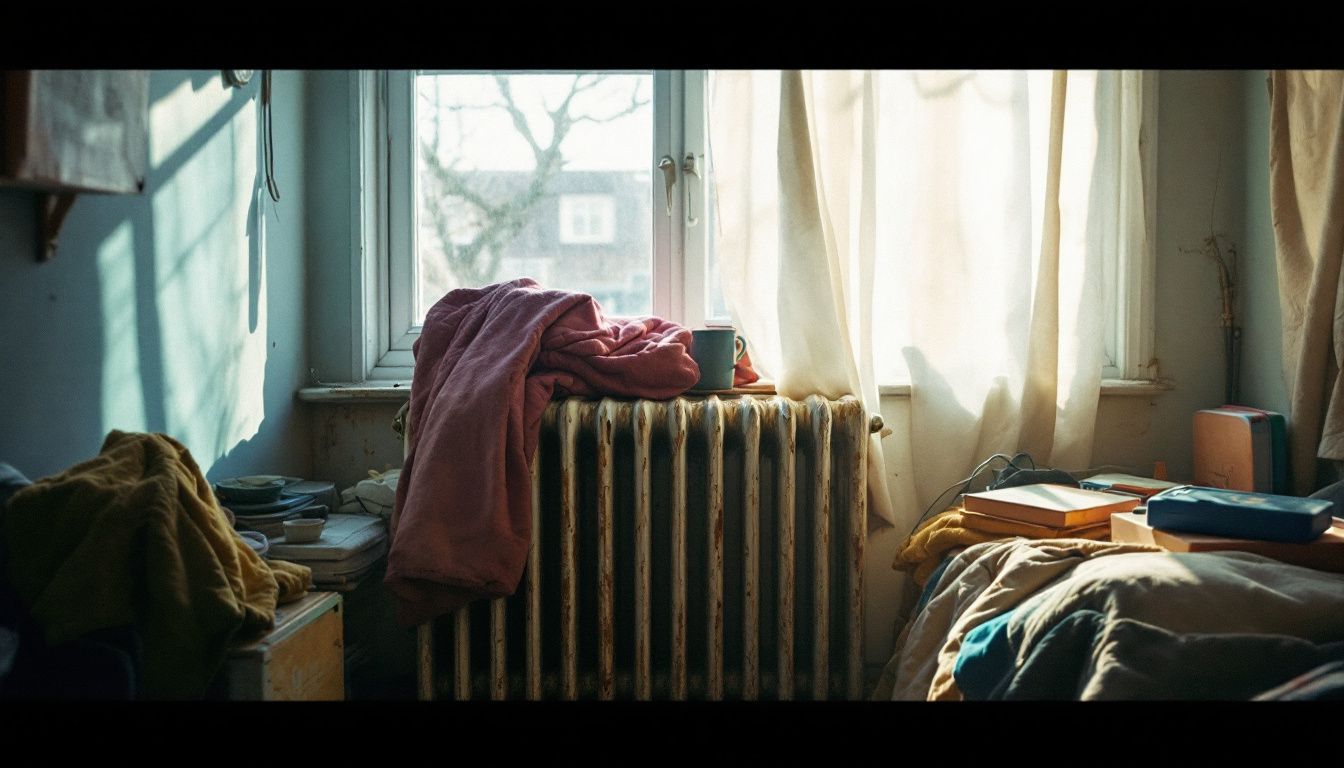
(400, 391)
(366, 392)
(1109, 388)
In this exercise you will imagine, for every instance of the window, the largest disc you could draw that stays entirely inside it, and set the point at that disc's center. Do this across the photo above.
(590, 181)
(583, 181)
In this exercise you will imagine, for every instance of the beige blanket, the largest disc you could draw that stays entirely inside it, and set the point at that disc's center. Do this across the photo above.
(135, 536)
(1224, 594)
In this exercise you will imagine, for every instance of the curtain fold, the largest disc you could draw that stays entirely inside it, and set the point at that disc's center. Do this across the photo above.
(1306, 168)
(949, 229)
(795, 240)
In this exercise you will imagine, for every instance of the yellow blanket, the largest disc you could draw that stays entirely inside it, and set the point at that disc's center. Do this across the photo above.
(135, 536)
(924, 549)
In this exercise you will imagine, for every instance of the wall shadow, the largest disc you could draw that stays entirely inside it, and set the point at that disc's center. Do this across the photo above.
(116, 333)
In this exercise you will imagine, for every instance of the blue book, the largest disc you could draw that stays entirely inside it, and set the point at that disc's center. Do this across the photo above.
(1239, 514)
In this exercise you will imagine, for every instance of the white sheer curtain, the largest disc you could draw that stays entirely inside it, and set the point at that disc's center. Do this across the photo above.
(949, 229)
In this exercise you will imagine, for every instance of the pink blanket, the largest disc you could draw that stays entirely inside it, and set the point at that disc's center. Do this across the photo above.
(487, 362)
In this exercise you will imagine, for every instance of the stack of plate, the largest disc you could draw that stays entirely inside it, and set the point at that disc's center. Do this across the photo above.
(269, 518)
(263, 503)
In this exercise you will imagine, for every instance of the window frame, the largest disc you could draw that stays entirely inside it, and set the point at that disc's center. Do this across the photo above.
(383, 208)
(1131, 333)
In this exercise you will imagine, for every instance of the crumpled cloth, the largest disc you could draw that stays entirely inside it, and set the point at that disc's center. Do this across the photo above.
(487, 362)
(135, 536)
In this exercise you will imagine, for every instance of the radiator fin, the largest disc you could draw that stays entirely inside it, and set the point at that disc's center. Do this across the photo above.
(685, 549)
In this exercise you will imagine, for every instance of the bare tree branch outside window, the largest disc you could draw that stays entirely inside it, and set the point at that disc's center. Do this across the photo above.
(475, 215)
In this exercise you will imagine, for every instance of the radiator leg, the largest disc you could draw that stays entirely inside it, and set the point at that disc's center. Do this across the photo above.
(786, 424)
(858, 533)
(751, 538)
(606, 576)
(462, 673)
(714, 621)
(499, 678)
(643, 418)
(569, 545)
(821, 537)
(533, 577)
(424, 637)
(678, 425)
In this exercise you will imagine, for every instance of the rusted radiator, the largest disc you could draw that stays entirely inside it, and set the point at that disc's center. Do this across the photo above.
(684, 549)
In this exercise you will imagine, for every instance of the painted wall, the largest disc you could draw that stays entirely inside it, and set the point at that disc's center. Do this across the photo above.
(329, 224)
(1262, 324)
(1201, 190)
(180, 310)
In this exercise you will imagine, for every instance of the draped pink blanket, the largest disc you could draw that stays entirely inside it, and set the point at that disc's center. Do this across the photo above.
(487, 362)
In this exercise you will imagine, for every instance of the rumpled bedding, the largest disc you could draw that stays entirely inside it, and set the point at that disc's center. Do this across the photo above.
(977, 585)
(486, 363)
(135, 537)
(1089, 654)
(1084, 620)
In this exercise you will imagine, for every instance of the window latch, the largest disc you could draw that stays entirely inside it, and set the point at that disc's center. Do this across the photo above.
(688, 169)
(669, 168)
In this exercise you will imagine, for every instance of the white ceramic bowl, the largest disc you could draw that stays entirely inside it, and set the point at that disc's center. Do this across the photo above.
(303, 530)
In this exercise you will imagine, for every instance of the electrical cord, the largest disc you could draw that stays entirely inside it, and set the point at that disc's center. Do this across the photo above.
(268, 137)
(966, 482)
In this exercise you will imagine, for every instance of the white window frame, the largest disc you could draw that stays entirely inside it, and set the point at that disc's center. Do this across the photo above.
(1130, 336)
(383, 213)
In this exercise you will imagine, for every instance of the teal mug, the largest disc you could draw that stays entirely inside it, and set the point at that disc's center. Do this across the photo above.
(716, 351)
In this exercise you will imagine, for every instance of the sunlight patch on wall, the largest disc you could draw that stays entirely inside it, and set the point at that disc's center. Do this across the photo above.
(179, 116)
(122, 389)
(207, 268)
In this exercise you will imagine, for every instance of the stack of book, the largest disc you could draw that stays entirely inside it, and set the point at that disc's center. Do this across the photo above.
(1044, 511)
(348, 550)
(1197, 519)
(1130, 485)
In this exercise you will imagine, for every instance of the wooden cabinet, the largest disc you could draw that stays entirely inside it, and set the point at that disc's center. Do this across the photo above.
(301, 659)
(65, 132)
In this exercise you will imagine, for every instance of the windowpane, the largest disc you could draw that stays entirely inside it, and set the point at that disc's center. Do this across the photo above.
(535, 175)
(716, 307)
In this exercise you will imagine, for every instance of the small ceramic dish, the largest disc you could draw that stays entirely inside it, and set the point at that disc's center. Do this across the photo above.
(258, 542)
(256, 489)
(303, 530)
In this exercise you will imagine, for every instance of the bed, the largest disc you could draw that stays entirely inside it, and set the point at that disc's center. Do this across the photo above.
(1020, 618)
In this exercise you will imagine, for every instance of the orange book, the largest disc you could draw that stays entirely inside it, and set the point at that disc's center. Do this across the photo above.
(1324, 553)
(1056, 506)
(977, 521)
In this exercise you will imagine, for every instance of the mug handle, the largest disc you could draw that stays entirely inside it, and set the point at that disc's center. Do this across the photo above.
(739, 348)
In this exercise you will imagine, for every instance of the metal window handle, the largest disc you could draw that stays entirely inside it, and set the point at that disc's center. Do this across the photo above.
(688, 169)
(669, 168)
